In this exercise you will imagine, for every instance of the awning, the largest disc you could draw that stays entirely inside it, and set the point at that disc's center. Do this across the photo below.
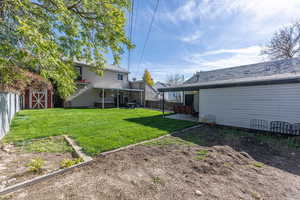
(120, 89)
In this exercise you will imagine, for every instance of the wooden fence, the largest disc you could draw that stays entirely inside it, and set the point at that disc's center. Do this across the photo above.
(158, 105)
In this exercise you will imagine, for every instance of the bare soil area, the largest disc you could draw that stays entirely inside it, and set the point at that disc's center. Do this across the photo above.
(14, 160)
(205, 163)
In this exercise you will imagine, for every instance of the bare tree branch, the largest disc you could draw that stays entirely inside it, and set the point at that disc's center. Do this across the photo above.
(285, 43)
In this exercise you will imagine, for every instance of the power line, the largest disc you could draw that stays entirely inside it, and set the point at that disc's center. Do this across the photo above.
(130, 32)
(148, 34)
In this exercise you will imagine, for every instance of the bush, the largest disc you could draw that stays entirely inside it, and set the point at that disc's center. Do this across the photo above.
(70, 162)
(36, 165)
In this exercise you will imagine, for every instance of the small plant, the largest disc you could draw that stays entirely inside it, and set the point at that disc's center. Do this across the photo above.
(201, 154)
(227, 164)
(255, 195)
(70, 162)
(36, 165)
(258, 164)
(157, 180)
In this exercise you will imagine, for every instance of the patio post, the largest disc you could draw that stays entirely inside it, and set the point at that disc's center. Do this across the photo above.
(102, 98)
(141, 94)
(163, 104)
(117, 98)
(183, 98)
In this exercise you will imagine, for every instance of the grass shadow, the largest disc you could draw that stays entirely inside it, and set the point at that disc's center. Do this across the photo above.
(159, 122)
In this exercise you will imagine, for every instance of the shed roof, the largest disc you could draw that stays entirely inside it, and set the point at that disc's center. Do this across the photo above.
(254, 70)
(273, 72)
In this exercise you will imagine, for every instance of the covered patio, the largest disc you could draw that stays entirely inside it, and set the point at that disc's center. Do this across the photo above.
(188, 109)
(119, 97)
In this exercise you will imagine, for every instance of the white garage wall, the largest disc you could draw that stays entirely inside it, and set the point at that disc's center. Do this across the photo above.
(236, 106)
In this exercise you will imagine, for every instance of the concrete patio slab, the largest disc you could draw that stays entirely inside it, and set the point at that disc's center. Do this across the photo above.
(183, 117)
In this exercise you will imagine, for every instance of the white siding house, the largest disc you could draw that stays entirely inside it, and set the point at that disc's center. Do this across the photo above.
(263, 96)
(112, 89)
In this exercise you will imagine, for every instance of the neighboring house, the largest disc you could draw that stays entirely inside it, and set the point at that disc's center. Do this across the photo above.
(113, 89)
(251, 96)
(150, 93)
(169, 96)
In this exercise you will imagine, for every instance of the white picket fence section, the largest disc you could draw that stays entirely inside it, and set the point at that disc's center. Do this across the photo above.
(9, 105)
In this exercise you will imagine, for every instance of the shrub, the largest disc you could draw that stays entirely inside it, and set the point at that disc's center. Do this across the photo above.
(36, 165)
(70, 162)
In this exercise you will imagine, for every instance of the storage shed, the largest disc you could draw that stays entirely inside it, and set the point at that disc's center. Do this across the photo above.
(38, 93)
(264, 96)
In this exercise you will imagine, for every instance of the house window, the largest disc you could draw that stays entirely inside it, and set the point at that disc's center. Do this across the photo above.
(120, 77)
(79, 73)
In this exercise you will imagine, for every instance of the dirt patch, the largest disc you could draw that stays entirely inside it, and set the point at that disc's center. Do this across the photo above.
(174, 168)
(14, 159)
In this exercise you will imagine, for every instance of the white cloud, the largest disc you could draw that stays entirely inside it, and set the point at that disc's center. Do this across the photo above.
(237, 57)
(247, 50)
(259, 18)
(192, 38)
(260, 9)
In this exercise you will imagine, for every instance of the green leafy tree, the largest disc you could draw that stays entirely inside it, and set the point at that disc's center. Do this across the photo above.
(46, 36)
(147, 78)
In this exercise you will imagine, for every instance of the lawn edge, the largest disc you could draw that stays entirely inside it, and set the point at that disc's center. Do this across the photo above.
(77, 149)
(18, 186)
(147, 141)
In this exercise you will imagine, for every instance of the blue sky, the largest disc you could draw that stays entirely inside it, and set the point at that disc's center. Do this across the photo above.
(199, 35)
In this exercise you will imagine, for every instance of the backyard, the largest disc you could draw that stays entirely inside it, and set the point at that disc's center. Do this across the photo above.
(201, 163)
(95, 130)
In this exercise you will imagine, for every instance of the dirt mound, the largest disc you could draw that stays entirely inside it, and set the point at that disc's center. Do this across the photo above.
(172, 171)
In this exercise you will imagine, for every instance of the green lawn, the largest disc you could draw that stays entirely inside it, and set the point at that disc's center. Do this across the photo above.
(95, 130)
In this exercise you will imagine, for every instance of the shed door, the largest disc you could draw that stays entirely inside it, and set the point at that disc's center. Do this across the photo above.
(189, 100)
(38, 99)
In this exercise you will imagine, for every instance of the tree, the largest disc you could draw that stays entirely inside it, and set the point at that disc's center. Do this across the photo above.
(46, 36)
(285, 43)
(175, 79)
(147, 78)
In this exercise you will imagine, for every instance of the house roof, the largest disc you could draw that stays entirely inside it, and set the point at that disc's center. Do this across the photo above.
(273, 72)
(161, 85)
(108, 67)
(151, 87)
